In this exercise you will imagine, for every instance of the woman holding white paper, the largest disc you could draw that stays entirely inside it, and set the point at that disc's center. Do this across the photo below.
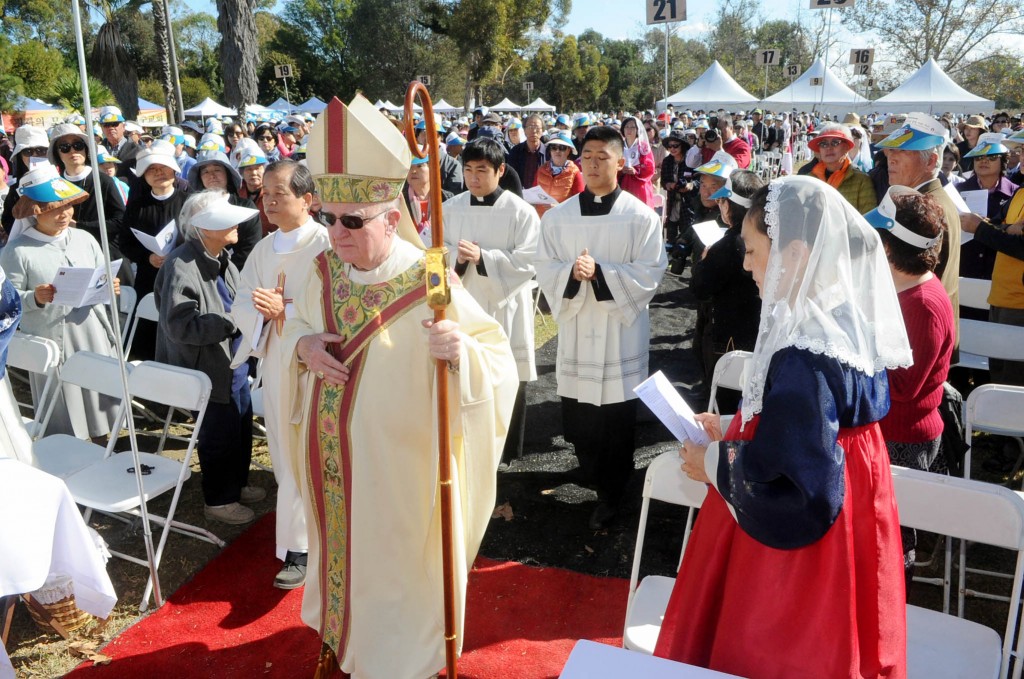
(795, 565)
(41, 242)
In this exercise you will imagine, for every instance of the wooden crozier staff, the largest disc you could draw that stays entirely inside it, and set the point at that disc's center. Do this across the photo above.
(438, 298)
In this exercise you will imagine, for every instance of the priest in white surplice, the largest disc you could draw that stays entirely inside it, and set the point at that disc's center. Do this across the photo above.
(275, 268)
(363, 370)
(492, 235)
(599, 262)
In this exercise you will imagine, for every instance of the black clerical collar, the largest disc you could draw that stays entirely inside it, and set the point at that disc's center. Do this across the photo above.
(594, 206)
(488, 200)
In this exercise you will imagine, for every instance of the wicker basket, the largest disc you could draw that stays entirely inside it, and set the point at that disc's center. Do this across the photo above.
(57, 598)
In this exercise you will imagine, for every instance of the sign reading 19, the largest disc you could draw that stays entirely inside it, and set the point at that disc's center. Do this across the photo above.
(829, 4)
(660, 11)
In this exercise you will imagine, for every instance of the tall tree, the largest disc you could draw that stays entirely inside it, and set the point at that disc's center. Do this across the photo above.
(490, 34)
(162, 40)
(240, 59)
(38, 67)
(110, 60)
(313, 32)
(952, 32)
(11, 86)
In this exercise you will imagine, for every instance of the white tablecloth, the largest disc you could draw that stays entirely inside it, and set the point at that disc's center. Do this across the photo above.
(591, 660)
(42, 532)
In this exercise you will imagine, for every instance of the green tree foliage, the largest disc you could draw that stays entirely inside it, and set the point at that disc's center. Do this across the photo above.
(68, 92)
(48, 21)
(490, 35)
(314, 33)
(998, 76)
(950, 31)
(11, 86)
(574, 71)
(38, 67)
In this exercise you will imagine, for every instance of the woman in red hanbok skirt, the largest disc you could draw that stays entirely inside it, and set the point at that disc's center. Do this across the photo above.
(795, 565)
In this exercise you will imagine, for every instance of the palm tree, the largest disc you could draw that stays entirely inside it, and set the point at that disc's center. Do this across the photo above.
(239, 55)
(161, 33)
(110, 61)
(68, 90)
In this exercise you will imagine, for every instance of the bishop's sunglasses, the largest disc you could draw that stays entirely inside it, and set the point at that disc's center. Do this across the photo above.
(351, 222)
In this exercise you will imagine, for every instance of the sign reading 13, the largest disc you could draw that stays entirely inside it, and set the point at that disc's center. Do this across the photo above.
(663, 11)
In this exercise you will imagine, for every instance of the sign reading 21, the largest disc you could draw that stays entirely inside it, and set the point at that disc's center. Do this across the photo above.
(662, 11)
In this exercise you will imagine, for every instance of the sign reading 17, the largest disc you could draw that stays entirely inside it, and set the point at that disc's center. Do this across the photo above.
(829, 4)
(660, 11)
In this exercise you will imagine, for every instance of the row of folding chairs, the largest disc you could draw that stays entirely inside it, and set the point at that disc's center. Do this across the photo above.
(102, 478)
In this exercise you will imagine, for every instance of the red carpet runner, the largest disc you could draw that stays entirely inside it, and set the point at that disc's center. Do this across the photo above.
(229, 622)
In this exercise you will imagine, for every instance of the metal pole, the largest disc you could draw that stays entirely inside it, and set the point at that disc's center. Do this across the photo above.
(765, 81)
(286, 97)
(174, 64)
(666, 64)
(115, 317)
(824, 64)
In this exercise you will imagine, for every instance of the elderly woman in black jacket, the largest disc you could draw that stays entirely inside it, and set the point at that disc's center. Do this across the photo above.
(195, 290)
(214, 171)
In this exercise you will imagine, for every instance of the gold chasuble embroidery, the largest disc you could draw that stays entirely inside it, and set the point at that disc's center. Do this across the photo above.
(358, 313)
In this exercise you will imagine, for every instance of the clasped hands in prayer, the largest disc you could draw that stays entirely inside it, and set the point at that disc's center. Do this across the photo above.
(693, 453)
(444, 342)
(585, 267)
(468, 252)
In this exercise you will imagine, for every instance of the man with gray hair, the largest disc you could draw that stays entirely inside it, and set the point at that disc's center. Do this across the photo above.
(914, 152)
(732, 144)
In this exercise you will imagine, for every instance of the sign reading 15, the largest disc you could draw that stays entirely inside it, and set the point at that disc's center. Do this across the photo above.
(661, 11)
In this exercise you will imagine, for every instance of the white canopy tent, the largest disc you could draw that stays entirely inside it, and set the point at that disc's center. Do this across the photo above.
(930, 90)
(832, 97)
(443, 106)
(539, 104)
(312, 105)
(713, 89)
(208, 107)
(506, 106)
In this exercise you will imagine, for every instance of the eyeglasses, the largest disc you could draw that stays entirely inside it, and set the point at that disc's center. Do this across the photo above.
(534, 128)
(673, 146)
(111, 124)
(66, 147)
(38, 151)
(830, 143)
(558, 148)
(265, 137)
(351, 222)
(1001, 122)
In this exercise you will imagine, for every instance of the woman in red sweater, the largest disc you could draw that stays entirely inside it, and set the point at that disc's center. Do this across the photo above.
(635, 176)
(911, 225)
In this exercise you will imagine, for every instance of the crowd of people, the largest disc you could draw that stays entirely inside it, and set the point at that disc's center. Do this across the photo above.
(290, 257)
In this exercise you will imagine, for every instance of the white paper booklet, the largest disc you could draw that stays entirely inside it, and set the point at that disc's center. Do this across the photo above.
(661, 397)
(709, 232)
(538, 196)
(977, 201)
(82, 286)
(160, 244)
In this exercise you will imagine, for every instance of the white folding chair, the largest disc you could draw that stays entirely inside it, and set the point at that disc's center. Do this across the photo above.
(109, 485)
(982, 340)
(126, 303)
(974, 292)
(940, 645)
(61, 454)
(730, 373)
(645, 607)
(40, 356)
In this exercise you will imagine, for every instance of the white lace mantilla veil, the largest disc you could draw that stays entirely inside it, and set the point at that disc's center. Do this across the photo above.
(843, 304)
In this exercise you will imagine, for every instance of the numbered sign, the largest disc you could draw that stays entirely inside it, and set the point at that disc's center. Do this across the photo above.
(425, 79)
(830, 4)
(862, 56)
(664, 11)
(283, 70)
(768, 57)
(528, 86)
(870, 82)
(793, 70)
(862, 69)
(817, 82)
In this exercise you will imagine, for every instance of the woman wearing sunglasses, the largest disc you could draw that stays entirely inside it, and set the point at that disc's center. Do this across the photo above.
(832, 146)
(69, 152)
(266, 136)
(30, 147)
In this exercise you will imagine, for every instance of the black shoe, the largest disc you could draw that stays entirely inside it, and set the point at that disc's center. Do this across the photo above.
(603, 516)
(293, 574)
